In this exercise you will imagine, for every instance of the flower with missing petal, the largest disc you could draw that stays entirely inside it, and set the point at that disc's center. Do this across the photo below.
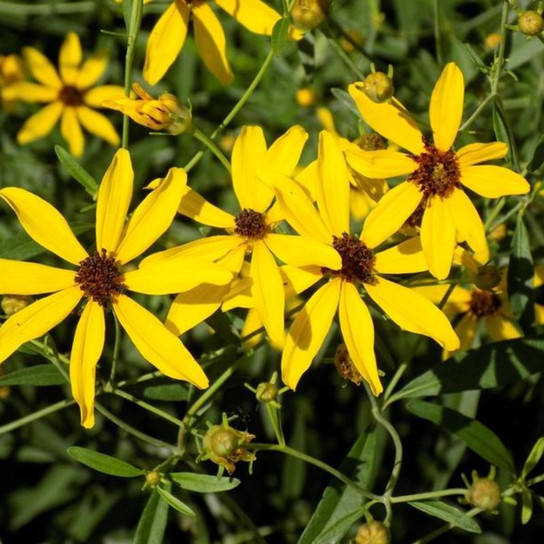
(69, 93)
(168, 35)
(436, 172)
(362, 268)
(249, 231)
(98, 277)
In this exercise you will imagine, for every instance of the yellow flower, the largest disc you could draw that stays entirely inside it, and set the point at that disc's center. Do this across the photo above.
(70, 95)
(249, 231)
(11, 71)
(437, 174)
(168, 35)
(362, 267)
(163, 113)
(100, 280)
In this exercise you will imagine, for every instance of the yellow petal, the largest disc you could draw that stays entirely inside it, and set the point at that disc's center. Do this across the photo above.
(389, 121)
(175, 275)
(70, 57)
(41, 69)
(211, 42)
(404, 258)
(41, 123)
(98, 125)
(303, 251)
(86, 351)
(466, 331)
(44, 224)
(438, 230)
(493, 181)
(458, 300)
(198, 208)
(98, 95)
(92, 70)
(446, 108)
(37, 319)
(267, 291)
(501, 328)
(333, 189)
(193, 306)
(255, 15)
(358, 333)
(308, 332)
(538, 279)
(298, 209)
(165, 41)
(23, 278)
(308, 179)
(153, 216)
(114, 196)
(383, 163)
(248, 156)
(327, 120)
(239, 295)
(469, 225)
(249, 333)
(284, 154)
(475, 153)
(157, 344)
(29, 92)
(539, 314)
(297, 279)
(71, 131)
(390, 213)
(412, 312)
(234, 259)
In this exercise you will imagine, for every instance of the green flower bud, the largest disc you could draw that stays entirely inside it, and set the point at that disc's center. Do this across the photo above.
(373, 532)
(378, 87)
(310, 14)
(530, 23)
(484, 493)
(267, 392)
(153, 478)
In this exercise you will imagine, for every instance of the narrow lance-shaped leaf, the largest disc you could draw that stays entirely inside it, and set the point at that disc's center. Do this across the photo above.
(203, 483)
(104, 463)
(152, 524)
(77, 171)
(38, 375)
(533, 458)
(279, 35)
(174, 502)
(449, 514)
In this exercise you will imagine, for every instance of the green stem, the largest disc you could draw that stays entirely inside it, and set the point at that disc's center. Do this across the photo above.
(338, 27)
(200, 136)
(320, 464)
(438, 33)
(511, 138)
(477, 112)
(535, 480)
(134, 28)
(36, 415)
(336, 47)
(115, 355)
(499, 62)
(429, 495)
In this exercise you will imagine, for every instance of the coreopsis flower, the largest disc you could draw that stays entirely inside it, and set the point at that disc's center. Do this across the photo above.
(99, 279)
(11, 71)
(168, 35)
(70, 95)
(436, 172)
(163, 113)
(362, 268)
(251, 231)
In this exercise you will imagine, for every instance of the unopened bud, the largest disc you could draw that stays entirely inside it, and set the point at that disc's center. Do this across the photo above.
(373, 532)
(484, 493)
(225, 446)
(371, 142)
(153, 478)
(310, 14)
(378, 87)
(267, 392)
(306, 97)
(345, 367)
(11, 304)
(530, 23)
(492, 40)
(488, 277)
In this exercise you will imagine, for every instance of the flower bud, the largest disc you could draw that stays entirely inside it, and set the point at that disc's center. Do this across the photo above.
(310, 14)
(306, 97)
(371, 142)
(530, 23)
(488, 277)
(267, 392)
(11, 304)
(225, 446)
(378, 87)
(484, 493)
(345, 367)
(373, 532)
(492, 40)
(153, 478)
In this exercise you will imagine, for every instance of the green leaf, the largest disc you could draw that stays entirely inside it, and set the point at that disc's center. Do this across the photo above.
(339, 528)
(39, 375)
(152, 524)
(170, 392)
(76, 170)
(526, 505)
(448, 513)
(104, 463)
(279, 35)
(474, 434)
(499, 127)
(533, 458)
(520, 277)
(203, 483)
(493, 365)
(538, 155)
(174, 502)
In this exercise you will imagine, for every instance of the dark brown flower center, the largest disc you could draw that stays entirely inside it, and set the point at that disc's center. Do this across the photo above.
(437, 173)
(99, 278)
(484, 303)
(251, 224)
(357, 259)
(71, 96)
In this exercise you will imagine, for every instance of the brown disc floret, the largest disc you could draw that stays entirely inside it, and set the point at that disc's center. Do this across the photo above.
(99, 278)
(357, 259)
(71, 96)
(251, 224)
(437, 173)
(484, 303)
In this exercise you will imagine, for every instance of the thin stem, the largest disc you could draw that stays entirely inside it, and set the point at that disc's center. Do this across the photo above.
(511, 138)
(429, 495)
(201, 137)
(116, 349)
(336, 47)
(438, 32)
(535, 480)
(499, 62)
(134, 28)
(394, 380)
(477, 112)
(356, 45)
